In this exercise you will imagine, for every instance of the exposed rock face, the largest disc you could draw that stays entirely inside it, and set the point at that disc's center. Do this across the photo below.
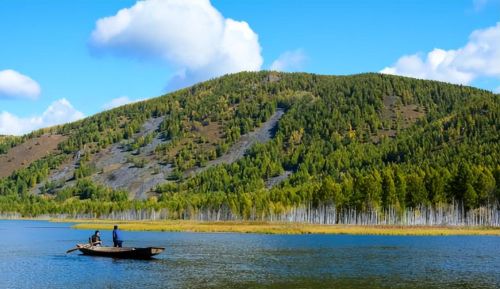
(117, 172)
(114, 166)
(261, 135)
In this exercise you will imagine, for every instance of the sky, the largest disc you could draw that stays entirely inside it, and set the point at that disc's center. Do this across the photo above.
(61, 61)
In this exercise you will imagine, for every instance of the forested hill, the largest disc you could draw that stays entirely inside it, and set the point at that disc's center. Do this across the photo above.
(264, 143)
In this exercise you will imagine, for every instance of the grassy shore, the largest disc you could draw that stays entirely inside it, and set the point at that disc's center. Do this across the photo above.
(278, 228)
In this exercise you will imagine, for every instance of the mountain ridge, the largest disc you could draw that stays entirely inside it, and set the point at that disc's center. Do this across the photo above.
(367, 141)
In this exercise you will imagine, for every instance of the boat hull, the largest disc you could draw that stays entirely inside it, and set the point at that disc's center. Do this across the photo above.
(122, 253)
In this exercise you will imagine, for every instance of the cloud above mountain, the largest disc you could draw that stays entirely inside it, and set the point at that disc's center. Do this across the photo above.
(14, 85)
(116, 102)
(191, 36)
(479, 57)
(59, 112)
(119, 101)
(289, 61)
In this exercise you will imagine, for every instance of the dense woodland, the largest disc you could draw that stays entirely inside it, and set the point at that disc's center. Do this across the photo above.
(344, 148)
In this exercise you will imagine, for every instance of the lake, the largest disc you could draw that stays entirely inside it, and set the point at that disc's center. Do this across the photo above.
(32, 255)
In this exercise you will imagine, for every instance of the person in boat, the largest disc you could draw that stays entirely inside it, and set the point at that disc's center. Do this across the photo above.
(117, 237)
(95, 240)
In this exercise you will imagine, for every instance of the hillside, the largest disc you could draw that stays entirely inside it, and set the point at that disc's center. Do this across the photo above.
(257, 145)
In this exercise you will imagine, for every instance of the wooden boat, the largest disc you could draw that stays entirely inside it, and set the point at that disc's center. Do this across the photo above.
(124, 253)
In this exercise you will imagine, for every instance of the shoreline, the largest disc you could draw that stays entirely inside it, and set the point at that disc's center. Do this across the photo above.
(262, 227)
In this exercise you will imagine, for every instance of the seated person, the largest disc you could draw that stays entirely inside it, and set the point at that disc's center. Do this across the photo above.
(95, 240)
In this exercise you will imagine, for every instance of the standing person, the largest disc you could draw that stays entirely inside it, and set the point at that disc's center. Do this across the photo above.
(117, 237)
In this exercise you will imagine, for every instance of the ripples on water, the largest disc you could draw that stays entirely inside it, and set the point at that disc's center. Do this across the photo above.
(32, 256)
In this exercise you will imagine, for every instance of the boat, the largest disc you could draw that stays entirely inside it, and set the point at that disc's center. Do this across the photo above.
(118, 252)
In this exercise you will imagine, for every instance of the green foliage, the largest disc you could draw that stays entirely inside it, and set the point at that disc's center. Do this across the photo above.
(141, 141)
(86, 189)
(83, 170)
(23, 180)
(6, 142)
(137, 162)
(325, 138)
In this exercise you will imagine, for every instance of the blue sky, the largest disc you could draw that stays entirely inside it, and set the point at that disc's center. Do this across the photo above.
(57, 63)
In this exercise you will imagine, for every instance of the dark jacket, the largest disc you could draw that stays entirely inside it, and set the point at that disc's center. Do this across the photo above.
(95, 238)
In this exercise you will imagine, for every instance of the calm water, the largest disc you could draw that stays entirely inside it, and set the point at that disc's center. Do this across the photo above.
(32, 255)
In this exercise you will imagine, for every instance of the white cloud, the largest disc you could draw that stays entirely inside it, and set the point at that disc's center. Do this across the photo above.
(480, 57)
(115, 102)
(190, 35)
(497, 90)
(59, 112)
(119, 101)
(16, 85)
(479, 4)
(289, 61)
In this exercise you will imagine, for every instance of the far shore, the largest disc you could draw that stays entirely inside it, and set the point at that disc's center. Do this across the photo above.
(259, 227)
